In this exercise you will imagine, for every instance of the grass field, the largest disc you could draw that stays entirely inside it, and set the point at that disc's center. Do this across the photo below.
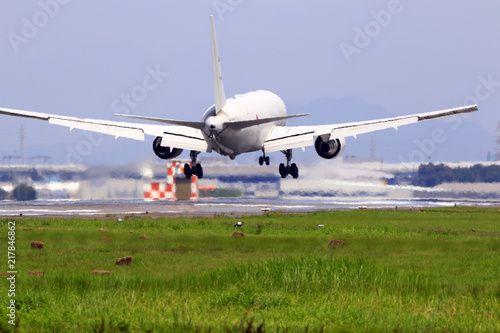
(399, 271)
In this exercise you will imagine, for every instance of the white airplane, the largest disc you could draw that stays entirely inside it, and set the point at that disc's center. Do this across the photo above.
(254, 121)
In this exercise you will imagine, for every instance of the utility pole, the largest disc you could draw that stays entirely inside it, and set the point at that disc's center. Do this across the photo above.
(21, 140)
(372, 148)
(498, 142)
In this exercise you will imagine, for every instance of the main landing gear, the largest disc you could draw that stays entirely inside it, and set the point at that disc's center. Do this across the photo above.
(289, 169)
(195, 169)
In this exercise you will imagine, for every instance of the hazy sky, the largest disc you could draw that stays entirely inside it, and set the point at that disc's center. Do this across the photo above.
(94, 58)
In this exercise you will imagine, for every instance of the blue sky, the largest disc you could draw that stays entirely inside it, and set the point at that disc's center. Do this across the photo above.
(81, 58)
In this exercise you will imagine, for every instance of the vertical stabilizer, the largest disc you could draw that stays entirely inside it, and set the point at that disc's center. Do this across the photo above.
(220, 98)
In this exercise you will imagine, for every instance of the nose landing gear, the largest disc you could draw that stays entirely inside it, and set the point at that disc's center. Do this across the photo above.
(289, 169)
(264, 159)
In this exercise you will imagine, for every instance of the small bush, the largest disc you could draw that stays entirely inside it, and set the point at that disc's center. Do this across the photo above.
(23, 192)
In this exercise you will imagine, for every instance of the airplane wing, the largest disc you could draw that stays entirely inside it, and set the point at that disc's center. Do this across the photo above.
(178, 136)
(289, 137)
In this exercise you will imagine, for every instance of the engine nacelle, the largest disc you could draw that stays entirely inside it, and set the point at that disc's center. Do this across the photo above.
(329, 149)
(164, 153)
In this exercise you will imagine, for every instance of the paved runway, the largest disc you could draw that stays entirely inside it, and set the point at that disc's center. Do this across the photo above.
(205, 207)
(163, 208)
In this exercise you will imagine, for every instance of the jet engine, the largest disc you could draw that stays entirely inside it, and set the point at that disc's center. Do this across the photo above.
(329, 148)
(164, 153)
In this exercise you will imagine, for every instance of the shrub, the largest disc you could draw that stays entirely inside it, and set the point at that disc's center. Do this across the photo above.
(23, 192)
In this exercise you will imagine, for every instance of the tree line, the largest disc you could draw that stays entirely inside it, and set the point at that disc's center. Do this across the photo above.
(21, 192)
(434, 174)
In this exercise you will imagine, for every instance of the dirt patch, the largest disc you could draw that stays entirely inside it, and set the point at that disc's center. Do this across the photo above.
(36, 245)
(101, 272)
(125, 261)
(7, 274)
(105, 239)
(103, 230)
(38, 273)
(132, 231)
(238, 234)
(143, 236)
(335, 243)
(160, 237)
(27, 229)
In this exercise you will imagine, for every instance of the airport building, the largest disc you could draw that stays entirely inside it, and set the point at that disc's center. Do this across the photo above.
(337, 179)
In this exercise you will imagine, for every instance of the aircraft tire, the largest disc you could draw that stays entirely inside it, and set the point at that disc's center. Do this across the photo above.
(199, 171)
(283, 171)
(187, 171)
(294, 171)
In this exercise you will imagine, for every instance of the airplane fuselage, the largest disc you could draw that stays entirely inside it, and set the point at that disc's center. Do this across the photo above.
(250, 106)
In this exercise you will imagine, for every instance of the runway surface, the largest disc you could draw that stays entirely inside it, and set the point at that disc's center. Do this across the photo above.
(207, 207)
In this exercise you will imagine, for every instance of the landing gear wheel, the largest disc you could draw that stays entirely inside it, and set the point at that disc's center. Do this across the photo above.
(196, 168)
(283, 171)
(266, 159)
(289, 169)
(199, 171)
(294, 171)
(187, 171)
(261, 160)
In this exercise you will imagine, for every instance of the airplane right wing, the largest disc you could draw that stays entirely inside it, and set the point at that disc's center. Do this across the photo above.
(289, 137)
(181, 137)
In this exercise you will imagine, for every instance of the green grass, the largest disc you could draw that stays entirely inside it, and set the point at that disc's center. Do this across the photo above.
(400, 271)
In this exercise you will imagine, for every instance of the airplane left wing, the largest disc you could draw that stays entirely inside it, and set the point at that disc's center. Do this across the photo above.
(185, 137)
(288, 137)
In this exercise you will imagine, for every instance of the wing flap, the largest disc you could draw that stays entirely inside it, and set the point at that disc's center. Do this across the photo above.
(190, 141)
(283, 137)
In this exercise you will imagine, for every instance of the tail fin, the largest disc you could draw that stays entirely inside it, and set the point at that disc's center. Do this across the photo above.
(220, 98)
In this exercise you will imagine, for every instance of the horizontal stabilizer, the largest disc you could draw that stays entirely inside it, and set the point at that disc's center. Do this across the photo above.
(192, 124)
(254, 122)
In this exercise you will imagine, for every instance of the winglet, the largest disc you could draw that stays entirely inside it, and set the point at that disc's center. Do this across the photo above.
(220, 98)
